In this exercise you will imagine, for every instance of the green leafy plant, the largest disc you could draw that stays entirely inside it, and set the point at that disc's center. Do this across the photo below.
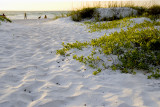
(98, 71)
(138, 47)
(69, 46)
(155, 74)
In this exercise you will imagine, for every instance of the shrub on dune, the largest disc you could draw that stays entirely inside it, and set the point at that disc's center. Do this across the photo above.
(103, 14)
(154, 10)
(114, 13)
(85, 13)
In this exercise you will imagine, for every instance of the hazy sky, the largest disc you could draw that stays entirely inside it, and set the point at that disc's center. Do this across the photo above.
(43, 5)
(35, 5)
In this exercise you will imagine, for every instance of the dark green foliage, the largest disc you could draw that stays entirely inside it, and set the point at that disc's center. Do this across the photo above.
(135, 59)
(111, 18)
(155, 45)
(154, 10)
(155, 74)
(85, 13)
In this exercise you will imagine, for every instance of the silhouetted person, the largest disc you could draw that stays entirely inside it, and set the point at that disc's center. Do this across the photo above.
(45, 16)
(25, 16)
(4, 15)
(39, 17)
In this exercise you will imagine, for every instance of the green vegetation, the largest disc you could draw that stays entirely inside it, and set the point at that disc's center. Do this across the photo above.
(152, 12)
(69, 46)
(137, 48)
(62, 15)
(89, 13)
(85, 13)
(93, 26)
(125, 22)
(5, 19)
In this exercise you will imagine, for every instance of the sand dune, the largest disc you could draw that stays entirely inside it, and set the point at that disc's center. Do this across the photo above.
(32, 75)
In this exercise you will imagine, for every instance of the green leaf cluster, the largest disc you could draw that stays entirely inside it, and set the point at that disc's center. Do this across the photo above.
(155, 74)
(90, 60)
(68, 46)
(98, 71)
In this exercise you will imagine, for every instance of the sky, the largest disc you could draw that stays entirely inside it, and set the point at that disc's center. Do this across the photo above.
(29, 5)
(43, 5)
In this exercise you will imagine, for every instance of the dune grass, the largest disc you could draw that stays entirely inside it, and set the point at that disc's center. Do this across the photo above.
(89, 12)
(85, 13)
(94, 27)
(62, 15)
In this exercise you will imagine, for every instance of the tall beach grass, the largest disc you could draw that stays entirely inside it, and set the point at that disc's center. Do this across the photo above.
(88, 9)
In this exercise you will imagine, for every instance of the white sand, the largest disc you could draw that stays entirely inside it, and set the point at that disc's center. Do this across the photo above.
(32, 75)
(119, 12)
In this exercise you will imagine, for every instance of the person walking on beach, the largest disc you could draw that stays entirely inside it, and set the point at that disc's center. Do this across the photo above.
(45, 16)
(25, 16)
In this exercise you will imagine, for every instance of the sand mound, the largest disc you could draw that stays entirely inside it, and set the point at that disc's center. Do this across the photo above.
(118, 12)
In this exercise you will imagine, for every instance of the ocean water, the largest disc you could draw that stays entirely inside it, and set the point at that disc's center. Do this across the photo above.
(31, 14)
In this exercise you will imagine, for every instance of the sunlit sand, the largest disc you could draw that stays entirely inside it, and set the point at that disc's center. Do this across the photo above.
(32, 75)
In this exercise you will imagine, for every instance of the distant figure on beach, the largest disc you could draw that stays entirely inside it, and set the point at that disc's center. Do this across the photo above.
(4, 15)
(45, 16)
(25, 16)
(39, 17)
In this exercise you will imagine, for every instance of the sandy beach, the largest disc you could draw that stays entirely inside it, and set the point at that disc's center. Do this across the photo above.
(32, 75)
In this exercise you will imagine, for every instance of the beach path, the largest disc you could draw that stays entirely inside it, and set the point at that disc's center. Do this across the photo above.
(32, 75)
